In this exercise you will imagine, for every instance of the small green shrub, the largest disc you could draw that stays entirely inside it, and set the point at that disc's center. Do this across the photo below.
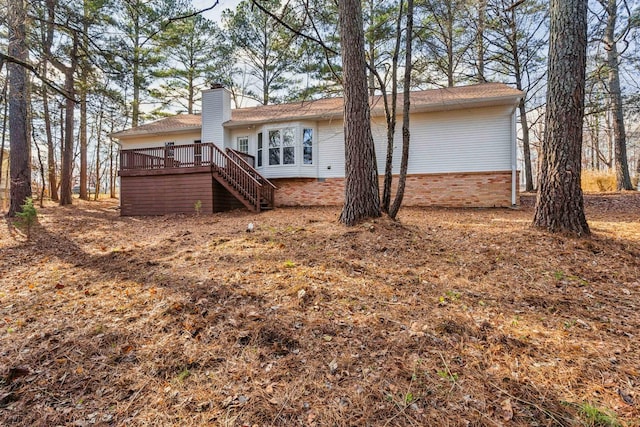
(198, 207)
(28, 217)
(596, 417)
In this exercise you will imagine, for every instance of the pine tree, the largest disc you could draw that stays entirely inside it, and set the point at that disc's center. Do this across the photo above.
(559, 204)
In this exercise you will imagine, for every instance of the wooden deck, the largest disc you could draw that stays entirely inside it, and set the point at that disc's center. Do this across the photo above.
(182, 175)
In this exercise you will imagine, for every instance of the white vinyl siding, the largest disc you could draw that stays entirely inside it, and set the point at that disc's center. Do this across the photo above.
(216, 109)
(477, 140)
(330, 142)
(159, 140)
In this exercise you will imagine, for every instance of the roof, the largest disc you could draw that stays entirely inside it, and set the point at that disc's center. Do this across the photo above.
(479, 95)
(173, 124)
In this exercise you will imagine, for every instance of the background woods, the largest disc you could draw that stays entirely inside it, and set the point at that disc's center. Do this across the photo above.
(73, 72)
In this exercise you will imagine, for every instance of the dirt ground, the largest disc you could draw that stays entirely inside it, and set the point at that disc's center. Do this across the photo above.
(446, 318)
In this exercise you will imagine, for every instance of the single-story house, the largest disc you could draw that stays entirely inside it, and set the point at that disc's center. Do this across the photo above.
(463, 153)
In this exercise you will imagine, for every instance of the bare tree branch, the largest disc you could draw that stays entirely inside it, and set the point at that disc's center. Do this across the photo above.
(7, 58)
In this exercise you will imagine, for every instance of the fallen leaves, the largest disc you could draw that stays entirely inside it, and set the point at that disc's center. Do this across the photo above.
(468, 317)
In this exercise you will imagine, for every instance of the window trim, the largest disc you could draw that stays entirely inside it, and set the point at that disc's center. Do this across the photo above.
(281, 145)
(298, 145)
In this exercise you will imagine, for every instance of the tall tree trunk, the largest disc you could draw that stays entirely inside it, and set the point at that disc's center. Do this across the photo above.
(526, 147)
(450, 38)
(623, 180)
(482, 10)
(390, 113)
(19, 142)
(524, 123)
(112, 161)
(42, 171)
(609, 132)
(191, 92)
(559, 204)
(98, 141)
(66, 178)
(84, 77)
(137, 80)
(372, 51)
(51, 161)
(362, 198)
(3, 137)
(406, 109)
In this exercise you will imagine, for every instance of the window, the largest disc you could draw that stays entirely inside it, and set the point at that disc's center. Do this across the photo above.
(197, 152)
(243, 144)
(307, 146)
(282, 146)
(260, 149)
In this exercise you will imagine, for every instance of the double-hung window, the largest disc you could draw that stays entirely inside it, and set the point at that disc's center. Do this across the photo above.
(243, 144)
(282, 146)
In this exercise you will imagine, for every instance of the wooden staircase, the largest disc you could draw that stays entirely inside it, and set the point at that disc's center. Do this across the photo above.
(238, 177)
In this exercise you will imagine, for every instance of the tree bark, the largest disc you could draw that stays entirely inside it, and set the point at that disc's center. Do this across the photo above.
(390, 113)
(524, 123)
(482, 10)
(51, 161)
(406, 109)
(66, 170)
(137, 80)
(362, 198)
(526, 147)
(84, 77)
(66, 179)
(559, 204)
(19, 141)
(5, 115)
(623, 180)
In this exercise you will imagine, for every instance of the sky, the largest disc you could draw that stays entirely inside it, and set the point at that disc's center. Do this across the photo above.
(216, 12)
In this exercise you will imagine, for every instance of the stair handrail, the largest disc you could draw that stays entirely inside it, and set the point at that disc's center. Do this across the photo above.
(244, 182)
(234, 153)
(267, 193)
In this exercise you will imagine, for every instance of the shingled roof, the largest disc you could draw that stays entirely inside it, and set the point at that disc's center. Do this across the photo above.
(421, 101)
(479, 95)
(177, 123)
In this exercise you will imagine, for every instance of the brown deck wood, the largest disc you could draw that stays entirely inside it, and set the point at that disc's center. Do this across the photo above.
(169, 193)
(164, 180)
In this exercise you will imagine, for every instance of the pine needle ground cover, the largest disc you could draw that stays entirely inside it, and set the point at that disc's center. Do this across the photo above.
(448, 317)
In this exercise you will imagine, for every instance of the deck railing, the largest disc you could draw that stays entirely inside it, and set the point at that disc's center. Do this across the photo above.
(175, 156)
(268, 189)
(230, 166)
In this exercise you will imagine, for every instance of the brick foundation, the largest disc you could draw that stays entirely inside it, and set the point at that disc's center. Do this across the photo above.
(471, 189)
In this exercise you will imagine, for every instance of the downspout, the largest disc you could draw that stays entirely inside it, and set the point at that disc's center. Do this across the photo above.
(514, 159)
